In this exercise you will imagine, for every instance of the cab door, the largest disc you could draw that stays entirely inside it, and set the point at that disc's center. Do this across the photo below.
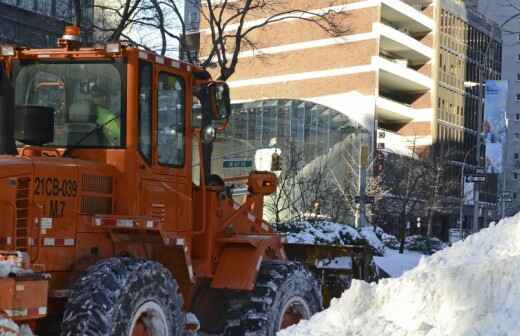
(167, 190)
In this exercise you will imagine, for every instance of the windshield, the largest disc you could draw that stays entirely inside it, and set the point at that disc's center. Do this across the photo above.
(86, 98)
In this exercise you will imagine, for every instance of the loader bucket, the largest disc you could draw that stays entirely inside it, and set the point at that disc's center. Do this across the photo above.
(334, 266)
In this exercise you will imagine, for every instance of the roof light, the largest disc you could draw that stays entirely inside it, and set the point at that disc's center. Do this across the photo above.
(113, 47)
(72, 33)
(7, 50)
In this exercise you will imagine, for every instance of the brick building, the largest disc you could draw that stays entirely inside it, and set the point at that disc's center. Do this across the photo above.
(401, 71)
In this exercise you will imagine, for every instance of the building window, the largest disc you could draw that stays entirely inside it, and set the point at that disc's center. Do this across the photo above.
(518, 97)
(518, 57)
(518, 77)
(515, 176)
(517, 116)
(514, 195)
(517, 136)
(516, 156)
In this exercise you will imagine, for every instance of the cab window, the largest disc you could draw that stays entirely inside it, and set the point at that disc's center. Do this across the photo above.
(145, 110)
(170, 135)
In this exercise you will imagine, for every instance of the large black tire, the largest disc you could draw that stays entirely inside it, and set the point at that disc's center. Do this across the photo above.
(280, 286)
(115, 293)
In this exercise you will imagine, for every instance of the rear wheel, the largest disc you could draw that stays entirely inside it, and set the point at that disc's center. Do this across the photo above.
(124, 297)
(284, 294)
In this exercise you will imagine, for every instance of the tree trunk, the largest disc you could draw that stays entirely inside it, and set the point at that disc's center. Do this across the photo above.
(402, 237)
(430, 224)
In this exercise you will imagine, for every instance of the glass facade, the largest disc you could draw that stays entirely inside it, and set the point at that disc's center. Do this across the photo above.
(320, 148)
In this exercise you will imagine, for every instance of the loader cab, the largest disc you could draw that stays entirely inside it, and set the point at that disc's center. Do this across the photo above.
(126, 110)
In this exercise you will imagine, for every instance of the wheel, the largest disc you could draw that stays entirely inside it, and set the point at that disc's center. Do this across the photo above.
(284, 294)
(124, 297)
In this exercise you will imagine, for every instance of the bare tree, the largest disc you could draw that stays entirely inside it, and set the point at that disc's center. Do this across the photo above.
(403, 184)
(229, 25)
(441, 184)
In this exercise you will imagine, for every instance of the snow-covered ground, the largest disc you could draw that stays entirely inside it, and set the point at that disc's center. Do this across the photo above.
(395, 264)
(469, 289)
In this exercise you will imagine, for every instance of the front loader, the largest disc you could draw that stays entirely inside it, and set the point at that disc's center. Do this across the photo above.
(100, 199)
(110, 226)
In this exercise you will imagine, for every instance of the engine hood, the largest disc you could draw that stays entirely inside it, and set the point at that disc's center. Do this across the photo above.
(14, 166)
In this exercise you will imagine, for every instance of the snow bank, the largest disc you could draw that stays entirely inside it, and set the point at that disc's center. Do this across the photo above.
(470, 289)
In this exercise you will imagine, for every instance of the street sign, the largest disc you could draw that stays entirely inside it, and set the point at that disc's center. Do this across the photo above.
(476, 178)
(368, 199)
(238, 163)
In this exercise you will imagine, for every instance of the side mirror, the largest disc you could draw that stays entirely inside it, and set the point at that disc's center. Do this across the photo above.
(209, 133)
(220, 101)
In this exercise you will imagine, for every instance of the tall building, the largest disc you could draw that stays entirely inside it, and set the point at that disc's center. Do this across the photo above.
(401, 72)
(39, 23)
(502, 11)
(469, 48)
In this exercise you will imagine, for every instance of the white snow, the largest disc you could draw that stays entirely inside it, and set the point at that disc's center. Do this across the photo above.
(370, 235)
(323, 232)
(8, 327)
(395, 264)
(469, 289)
(8, 267)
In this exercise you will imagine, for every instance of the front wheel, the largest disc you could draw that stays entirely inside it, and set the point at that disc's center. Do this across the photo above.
(285, 293)
(124, 297)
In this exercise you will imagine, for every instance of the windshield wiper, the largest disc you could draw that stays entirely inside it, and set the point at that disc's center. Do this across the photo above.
(86, 136)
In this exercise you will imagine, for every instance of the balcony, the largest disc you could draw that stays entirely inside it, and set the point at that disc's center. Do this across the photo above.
(398, 144)
(390, 110)
(402, 45)
(396, 76)
(401, 14)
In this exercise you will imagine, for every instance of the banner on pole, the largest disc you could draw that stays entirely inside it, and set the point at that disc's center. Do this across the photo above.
(495, 124)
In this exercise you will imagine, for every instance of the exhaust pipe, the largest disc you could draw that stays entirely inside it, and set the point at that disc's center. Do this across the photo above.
(7, 143)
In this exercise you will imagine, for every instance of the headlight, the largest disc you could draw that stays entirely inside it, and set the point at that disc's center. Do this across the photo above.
(7, 50)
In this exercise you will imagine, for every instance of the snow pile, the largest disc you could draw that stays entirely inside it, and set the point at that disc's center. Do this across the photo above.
(8, 327)
(321, 232)
(470, 289)
(13, 265)
(372, 236)
(8, 267)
